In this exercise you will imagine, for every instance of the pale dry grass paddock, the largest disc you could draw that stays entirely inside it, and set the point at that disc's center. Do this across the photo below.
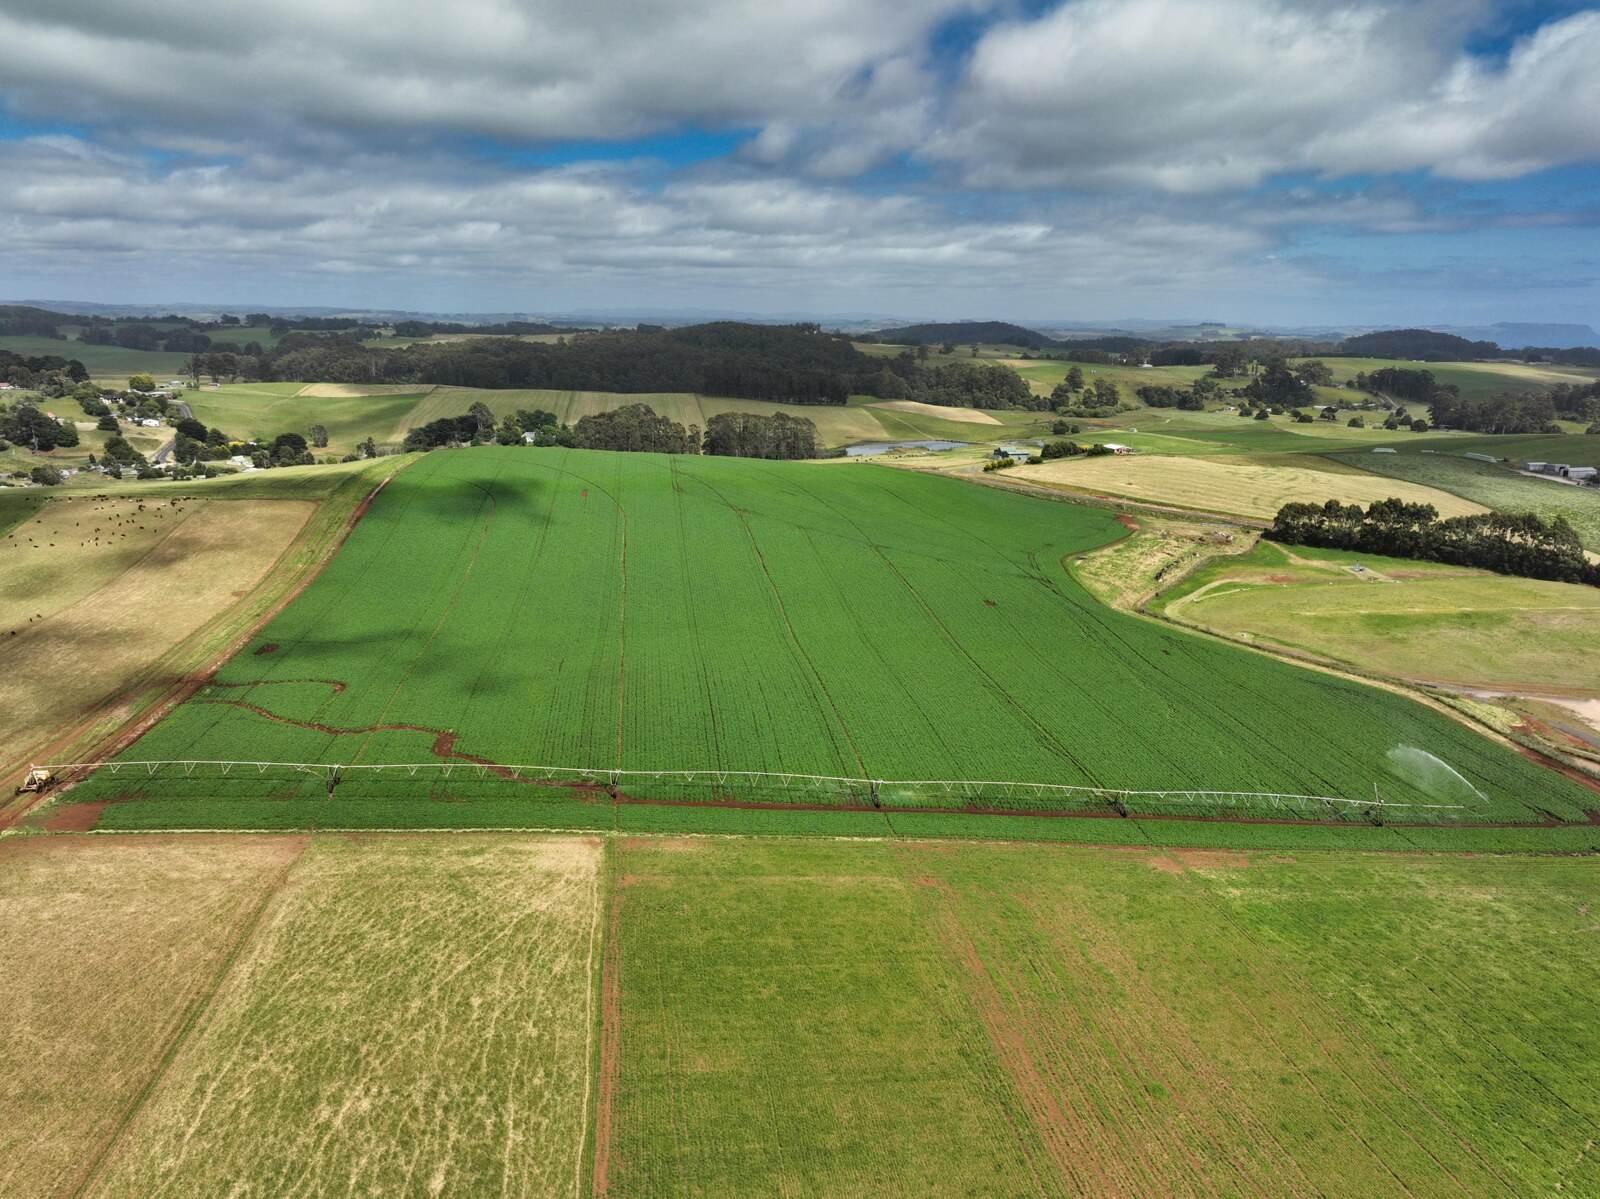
(413, 1017)
(1250, 487)
(966, 416)
(94, 591)
(106, 947)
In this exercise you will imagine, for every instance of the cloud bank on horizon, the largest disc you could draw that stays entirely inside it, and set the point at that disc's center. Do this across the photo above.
(1294, 161)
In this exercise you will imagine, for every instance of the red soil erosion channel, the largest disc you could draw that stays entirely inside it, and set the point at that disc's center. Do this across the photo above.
(639, 613)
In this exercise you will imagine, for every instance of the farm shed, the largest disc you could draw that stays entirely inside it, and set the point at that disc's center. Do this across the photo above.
(1535, 466)
(1581, 472)
(1383, 449)
(1116, 447)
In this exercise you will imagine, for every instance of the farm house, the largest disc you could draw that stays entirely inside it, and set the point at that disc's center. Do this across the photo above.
(1116, 447)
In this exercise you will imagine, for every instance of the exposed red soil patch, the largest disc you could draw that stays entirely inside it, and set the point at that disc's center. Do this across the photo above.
(75, 817)
(1212, 859)
(1166, 865)
(1127, 522)
(610, 1044)
(1280, 579)
(270, 647)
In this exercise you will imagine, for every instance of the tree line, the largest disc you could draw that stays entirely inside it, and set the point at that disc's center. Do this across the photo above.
(632, 428)
(1520, 544)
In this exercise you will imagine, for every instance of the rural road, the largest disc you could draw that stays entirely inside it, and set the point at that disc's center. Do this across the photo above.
(183, 412)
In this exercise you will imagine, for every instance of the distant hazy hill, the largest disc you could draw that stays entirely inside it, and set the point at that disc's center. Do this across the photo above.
(965, 333)
(1512, 335)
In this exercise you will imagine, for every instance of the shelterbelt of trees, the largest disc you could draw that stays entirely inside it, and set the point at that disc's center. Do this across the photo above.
(631, 428)
(1509, 544)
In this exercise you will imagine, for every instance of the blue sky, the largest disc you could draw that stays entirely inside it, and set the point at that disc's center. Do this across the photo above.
(1256, 161)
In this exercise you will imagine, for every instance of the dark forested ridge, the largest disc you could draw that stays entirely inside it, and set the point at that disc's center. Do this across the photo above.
(1001, 333)
(1421, 344)
(794, 364)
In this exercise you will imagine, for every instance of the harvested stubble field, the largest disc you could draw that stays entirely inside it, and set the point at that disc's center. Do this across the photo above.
(268, 1016)
(1009, 1020)
(1255, 487)
(616, 611)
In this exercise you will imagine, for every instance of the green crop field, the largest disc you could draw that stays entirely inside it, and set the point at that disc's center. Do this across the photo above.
(1496, 487)
(849, 1019)
(517, 607)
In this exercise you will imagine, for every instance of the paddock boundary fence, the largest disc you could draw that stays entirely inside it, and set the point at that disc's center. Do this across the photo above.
(732, 786)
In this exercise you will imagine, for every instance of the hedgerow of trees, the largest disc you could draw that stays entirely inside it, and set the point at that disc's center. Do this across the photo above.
(1507, 543)
(754, 435)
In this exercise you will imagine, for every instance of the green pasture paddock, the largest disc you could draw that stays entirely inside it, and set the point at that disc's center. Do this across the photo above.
(263, 410)
(1473, 378)
(1421, 621)
(108, 365)
(1029, 1020)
